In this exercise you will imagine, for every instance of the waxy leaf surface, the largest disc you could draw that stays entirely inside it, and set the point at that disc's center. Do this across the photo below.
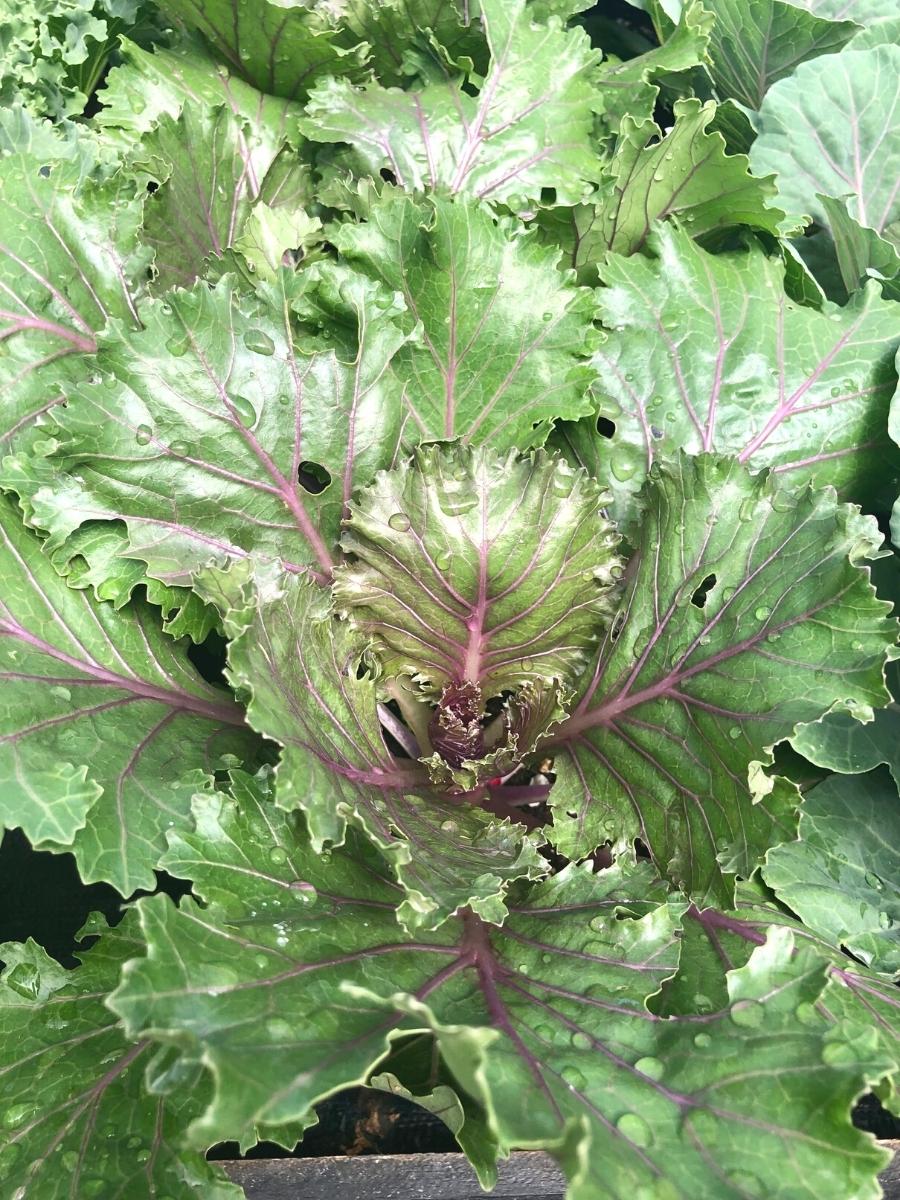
(543, 1021)
(102, 720)
(529, 126)
(828, 129)
(302, 668)
(200, 427)
(746, 613)
(481, 367)
(77, 1118)
(471, 566)
(842, 876)
(707, 352)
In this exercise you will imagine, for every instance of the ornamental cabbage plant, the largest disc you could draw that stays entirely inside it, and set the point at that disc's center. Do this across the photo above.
(502, 390)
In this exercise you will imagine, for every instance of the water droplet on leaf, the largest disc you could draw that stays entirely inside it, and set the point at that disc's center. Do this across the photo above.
(399, 522)
(245, 411)
(749, 1014)
(143, 434)
(635, 1129)
(259, 342)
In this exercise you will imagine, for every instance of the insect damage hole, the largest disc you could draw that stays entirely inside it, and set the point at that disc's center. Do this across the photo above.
(313, 478)
(699, 596)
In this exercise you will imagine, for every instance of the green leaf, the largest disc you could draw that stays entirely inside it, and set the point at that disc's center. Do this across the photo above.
(70, 261)
(469, 566)
(219, 399)
(482, 366)
(302, 670)
(630, 88)
(172, 80)
(529, 127)
(865, 12)
(651, 176)
(747, 612)
(543, 1021)
(280, 46)
(706, 352)
(860, 252)
(213, 165)
(103, 720)
(53, 52)
(841, 875)
(78, 1120)
(416, 38)
(715, 942)
(93, 557)
(272, 236)
(754, 43)
(846, 104)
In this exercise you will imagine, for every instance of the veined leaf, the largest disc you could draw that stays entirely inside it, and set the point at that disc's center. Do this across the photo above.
(481, 367)
(841, 875)
(685, 173)
(754, 43)
(528, 128)
(104, 723)
(472, 567)
(757, 617)
(70, 261)
(826, 130)
(280, 46)
(302, 669)
(863, 12)
(707, 352)
(77, 1119)
(204, 432)
(543, 1021)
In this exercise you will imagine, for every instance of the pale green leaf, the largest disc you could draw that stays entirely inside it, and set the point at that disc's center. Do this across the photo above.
(829, 130)
(841, 875)
(104, 722)
(78, 1120)
(481, 366)
(529, 126)
(707, 352)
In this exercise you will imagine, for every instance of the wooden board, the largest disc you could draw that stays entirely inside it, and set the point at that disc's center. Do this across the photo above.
(525, 1176)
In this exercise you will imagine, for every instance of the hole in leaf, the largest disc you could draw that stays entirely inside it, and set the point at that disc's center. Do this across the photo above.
(45, 171)
(605, 427)
(387, 176)
(699, 596)
(152, 187)
(656, 432)
(313, 478)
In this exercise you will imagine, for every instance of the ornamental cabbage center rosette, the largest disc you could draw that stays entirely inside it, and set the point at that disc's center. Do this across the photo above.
(478, 629)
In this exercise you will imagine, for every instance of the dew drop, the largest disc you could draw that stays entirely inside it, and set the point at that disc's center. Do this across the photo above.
(806, 1014)
(635, 1128)
(651, 1067)
(581, 1041)
(702, 1041)
(573, 1077)
(449, 826)
(749, 1014)
(179, 448)
(874, 881)
(17, 1114)
(177, 346)
(702, 1003)
(261, 961)
(245, 411)
(745, 1183)
(259, 342)
(399, 522)
(61, 693)
(279, 1030)
(622, 468)
(763, 613)
(277, 855)
(443, 559)
(885, 920)
(734, 732)
(143, 434)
